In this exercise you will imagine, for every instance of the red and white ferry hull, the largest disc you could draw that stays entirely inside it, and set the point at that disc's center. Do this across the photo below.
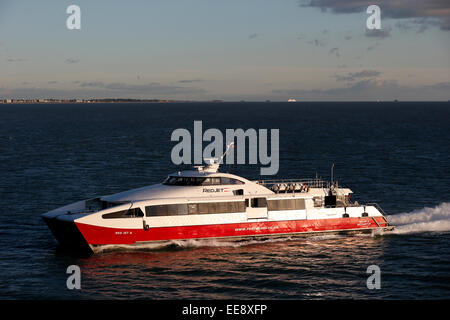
(72, 232)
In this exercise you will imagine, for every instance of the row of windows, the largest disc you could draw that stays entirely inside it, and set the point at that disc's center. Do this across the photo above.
(200, 181)
(194, 208)
(208, 207)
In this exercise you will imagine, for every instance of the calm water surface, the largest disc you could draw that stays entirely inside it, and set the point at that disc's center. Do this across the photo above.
(396, 154)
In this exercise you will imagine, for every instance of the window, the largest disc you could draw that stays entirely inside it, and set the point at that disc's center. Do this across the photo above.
(159, 210)
(259, 202)
(199, 181)
(192, 208)
(286, 204)
(207, 182)
(177, 209)
(195, 208)
(184, 181)
(131, 213)
(203, 208)
(224, 180)
(223, 207)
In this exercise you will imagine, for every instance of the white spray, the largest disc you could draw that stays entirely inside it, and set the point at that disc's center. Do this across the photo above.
(435, 219)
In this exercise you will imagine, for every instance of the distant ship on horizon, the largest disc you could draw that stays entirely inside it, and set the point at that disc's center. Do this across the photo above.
(292, 100)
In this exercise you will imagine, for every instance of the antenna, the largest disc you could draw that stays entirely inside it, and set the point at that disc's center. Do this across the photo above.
(228, 148)
(213, 163)
(332, 168)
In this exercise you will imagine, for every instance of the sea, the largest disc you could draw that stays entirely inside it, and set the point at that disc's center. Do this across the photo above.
(396, 154)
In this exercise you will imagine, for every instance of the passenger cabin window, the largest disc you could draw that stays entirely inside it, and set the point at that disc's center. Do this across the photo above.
(200, 181)
(195, 208)
(286, 204)
(184, 181)
(130, 213)
(259, 202)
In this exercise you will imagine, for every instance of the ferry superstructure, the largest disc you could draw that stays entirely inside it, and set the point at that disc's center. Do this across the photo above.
(204, 203)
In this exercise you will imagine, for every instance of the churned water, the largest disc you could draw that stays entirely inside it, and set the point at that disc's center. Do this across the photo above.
(395, 154)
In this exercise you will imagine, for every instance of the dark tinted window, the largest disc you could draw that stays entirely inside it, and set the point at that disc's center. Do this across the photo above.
(161, 210)
(199, 181)
(285, 204)
(167, 210)
(184, 181)
(195, 208)
(177, 209)
(192, 208)
(259, 202)
(131, 213)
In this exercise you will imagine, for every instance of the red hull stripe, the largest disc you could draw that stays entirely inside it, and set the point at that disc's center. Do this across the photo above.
(102, 235)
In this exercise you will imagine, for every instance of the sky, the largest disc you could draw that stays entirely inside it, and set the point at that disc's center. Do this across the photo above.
(253, 50)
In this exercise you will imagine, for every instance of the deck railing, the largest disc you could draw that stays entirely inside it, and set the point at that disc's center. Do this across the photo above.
(311, 183)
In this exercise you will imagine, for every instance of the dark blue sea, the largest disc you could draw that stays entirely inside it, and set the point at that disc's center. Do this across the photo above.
(394, 153)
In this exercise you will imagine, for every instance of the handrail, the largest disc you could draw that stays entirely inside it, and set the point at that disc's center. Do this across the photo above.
(312, 183)
(376, 205)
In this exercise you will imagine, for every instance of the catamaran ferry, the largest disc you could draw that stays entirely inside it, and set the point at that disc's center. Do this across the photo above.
(204, 203)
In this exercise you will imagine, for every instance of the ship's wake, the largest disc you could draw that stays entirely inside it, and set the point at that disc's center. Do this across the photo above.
(436, 219)
(190, 243)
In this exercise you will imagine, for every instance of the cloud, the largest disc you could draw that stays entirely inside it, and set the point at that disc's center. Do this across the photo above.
(98, 89)
(378, 33)
(418, 25)
(16, 60)
(373, 46)
(191, 80)
(150, 88)
(71, 61)
(353, 76)
(439, 10)
(335, 51)
(94, 84)
(372, 90)
(317, 42)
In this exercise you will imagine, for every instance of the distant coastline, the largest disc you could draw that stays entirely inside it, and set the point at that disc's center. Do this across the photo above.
(125, 100)
(103, 100)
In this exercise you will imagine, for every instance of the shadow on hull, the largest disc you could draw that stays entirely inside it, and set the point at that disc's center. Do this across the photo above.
(69, 237)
